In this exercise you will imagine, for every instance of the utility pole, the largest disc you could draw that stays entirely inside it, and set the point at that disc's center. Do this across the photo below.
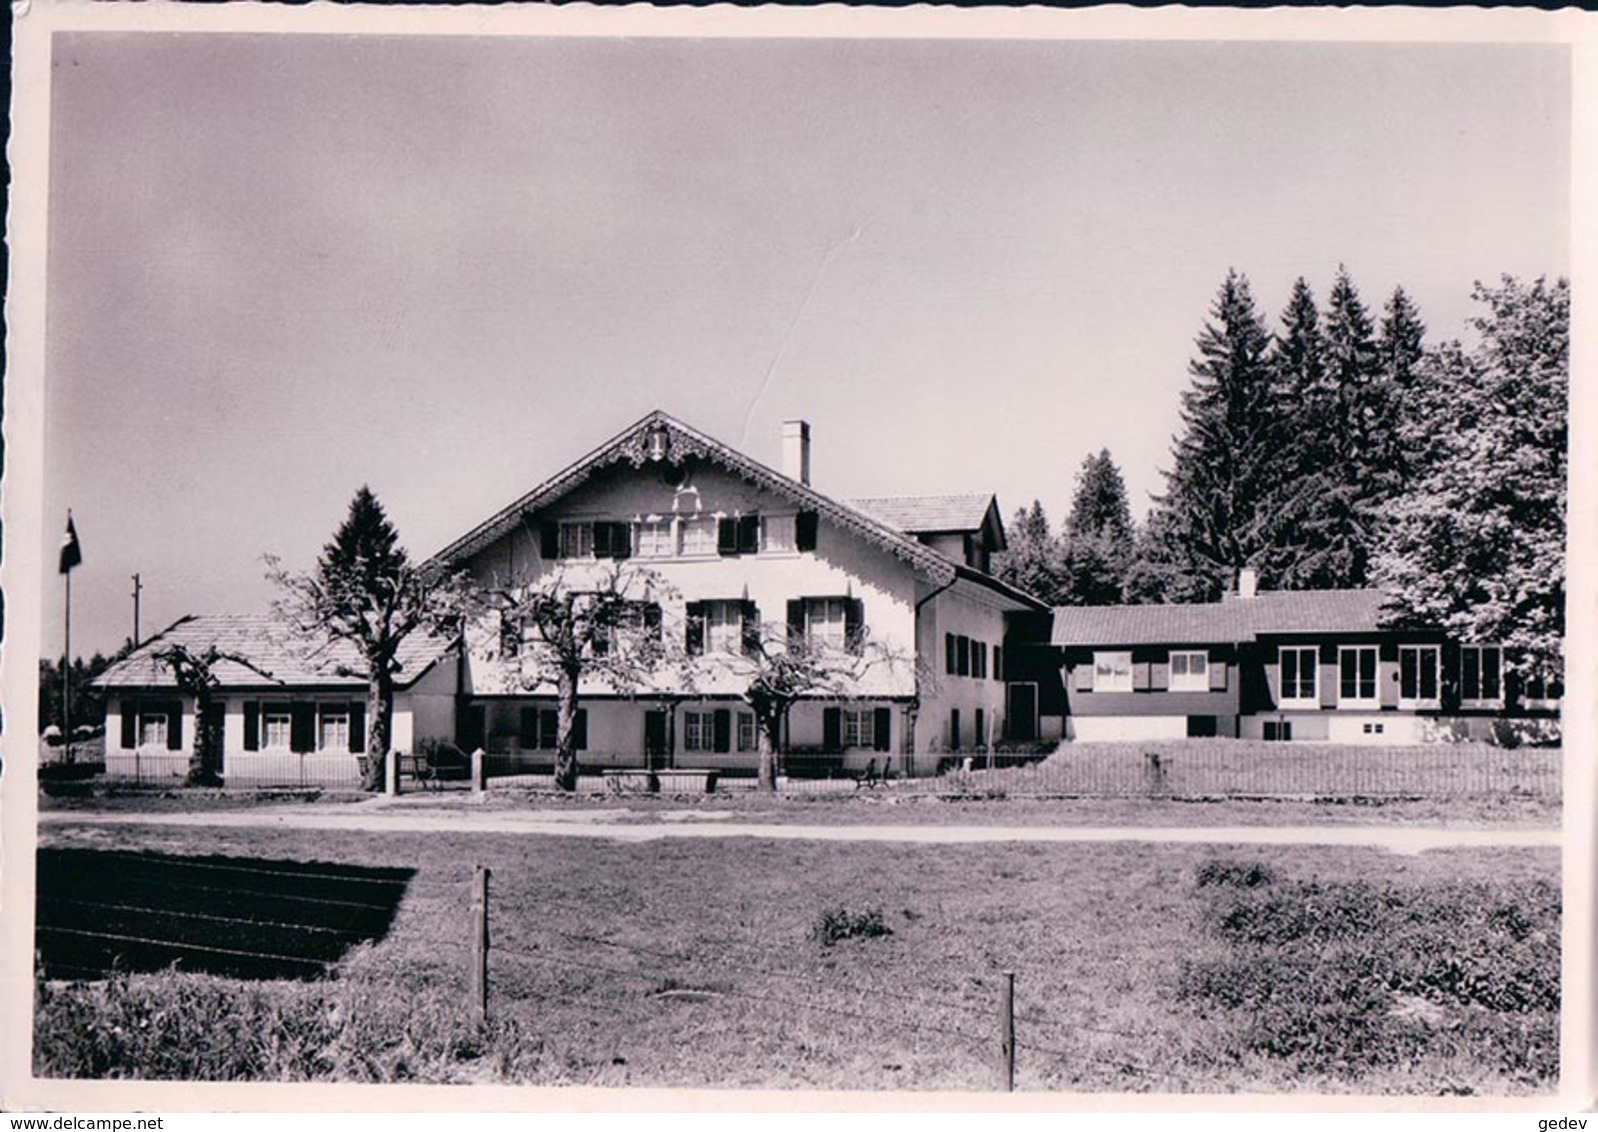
(137, 586)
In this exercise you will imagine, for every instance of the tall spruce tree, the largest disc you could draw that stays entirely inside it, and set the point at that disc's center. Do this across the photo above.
(1217, 491)
(1477, 545)
(1098, 535)
(1032, 562)
(1294, 552)
(367, 591)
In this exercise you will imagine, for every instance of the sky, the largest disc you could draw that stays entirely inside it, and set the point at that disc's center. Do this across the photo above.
(281, 267)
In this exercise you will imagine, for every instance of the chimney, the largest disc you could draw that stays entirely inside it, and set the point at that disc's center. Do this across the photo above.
(1248, 581)
(796, 451)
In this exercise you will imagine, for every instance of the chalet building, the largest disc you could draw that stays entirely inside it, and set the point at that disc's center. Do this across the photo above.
(736, 555)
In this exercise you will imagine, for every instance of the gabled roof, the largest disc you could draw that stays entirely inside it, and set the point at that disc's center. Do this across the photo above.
(1227, 622)
(631, 446)
(935, 514)
(271, 646)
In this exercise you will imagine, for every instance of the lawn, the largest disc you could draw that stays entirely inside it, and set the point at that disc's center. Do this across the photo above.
(744, 962)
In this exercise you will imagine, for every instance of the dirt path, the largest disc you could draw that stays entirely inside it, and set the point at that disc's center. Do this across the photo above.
(606, 824)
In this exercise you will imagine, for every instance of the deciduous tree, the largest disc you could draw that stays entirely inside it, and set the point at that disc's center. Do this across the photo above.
(1477, 543)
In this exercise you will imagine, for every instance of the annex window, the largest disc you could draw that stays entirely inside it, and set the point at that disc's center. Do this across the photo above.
(1299, 664)
(1540, 692)
(1190, 671)
(1112, 672)
(747, 740)
(699, 535)
(697, 727)
(1356, 675)
(577, 540)
(1481, 676)
(333, 728)
(1418, 676)
(777, 534)
(277, 727)
(152, 728)
(655, 538)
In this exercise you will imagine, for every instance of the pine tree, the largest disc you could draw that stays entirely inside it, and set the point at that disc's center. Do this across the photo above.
(1032, 562)
(1477, 545)
(1214, 508)
(1098, 535)
(365, 590)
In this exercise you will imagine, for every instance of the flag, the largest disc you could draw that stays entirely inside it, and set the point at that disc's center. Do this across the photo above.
(71, 552)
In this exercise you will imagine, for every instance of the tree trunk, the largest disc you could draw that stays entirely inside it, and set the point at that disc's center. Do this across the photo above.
(565, 738)
(206, 742)
(380, 710)
(769, 729)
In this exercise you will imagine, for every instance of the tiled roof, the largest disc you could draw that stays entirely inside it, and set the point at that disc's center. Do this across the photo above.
(916, 514)
(1234, 620)
(271, 646)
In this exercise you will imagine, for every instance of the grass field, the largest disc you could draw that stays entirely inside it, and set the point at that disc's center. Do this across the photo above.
(743, 962)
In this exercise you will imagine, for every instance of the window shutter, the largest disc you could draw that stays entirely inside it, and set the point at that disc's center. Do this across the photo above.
(962, 656)
(726, 536)
(749, 534)
(527, 732)
(796, 621)
(252, 725)
(881, 726)
(832, 728)
(1140, 676)
(130, 724)
(302, 728)
(358, 726)
(174, 728)
(1217, 675)
(751, 629)
(548, 729)
(948, 653)
(696, 628)
(1160, 676)
(549, 539)
(804, 530)
(998, 663)
(853, 624)
(621, 540)
(580, 730)
(723, 731)
(603, 546)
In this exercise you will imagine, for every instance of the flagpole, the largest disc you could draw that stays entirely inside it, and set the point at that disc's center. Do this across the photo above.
(66, 671)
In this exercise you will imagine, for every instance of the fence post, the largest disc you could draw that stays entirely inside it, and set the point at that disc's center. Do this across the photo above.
(1007, 1031)
(479, 953)
(478, 782)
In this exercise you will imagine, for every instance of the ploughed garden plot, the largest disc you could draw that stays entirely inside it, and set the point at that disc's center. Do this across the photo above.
(243, 917)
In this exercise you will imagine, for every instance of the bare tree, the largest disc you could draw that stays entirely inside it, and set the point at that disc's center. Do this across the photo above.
(195, 673)
(602, 624)
(365, 590)
(778, 665)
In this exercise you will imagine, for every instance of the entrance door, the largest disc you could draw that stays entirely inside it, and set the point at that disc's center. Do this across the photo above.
(657, 742)
(1022, 715)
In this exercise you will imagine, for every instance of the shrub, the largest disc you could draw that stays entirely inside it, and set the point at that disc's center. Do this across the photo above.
(1234, 874)
(839, 923)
